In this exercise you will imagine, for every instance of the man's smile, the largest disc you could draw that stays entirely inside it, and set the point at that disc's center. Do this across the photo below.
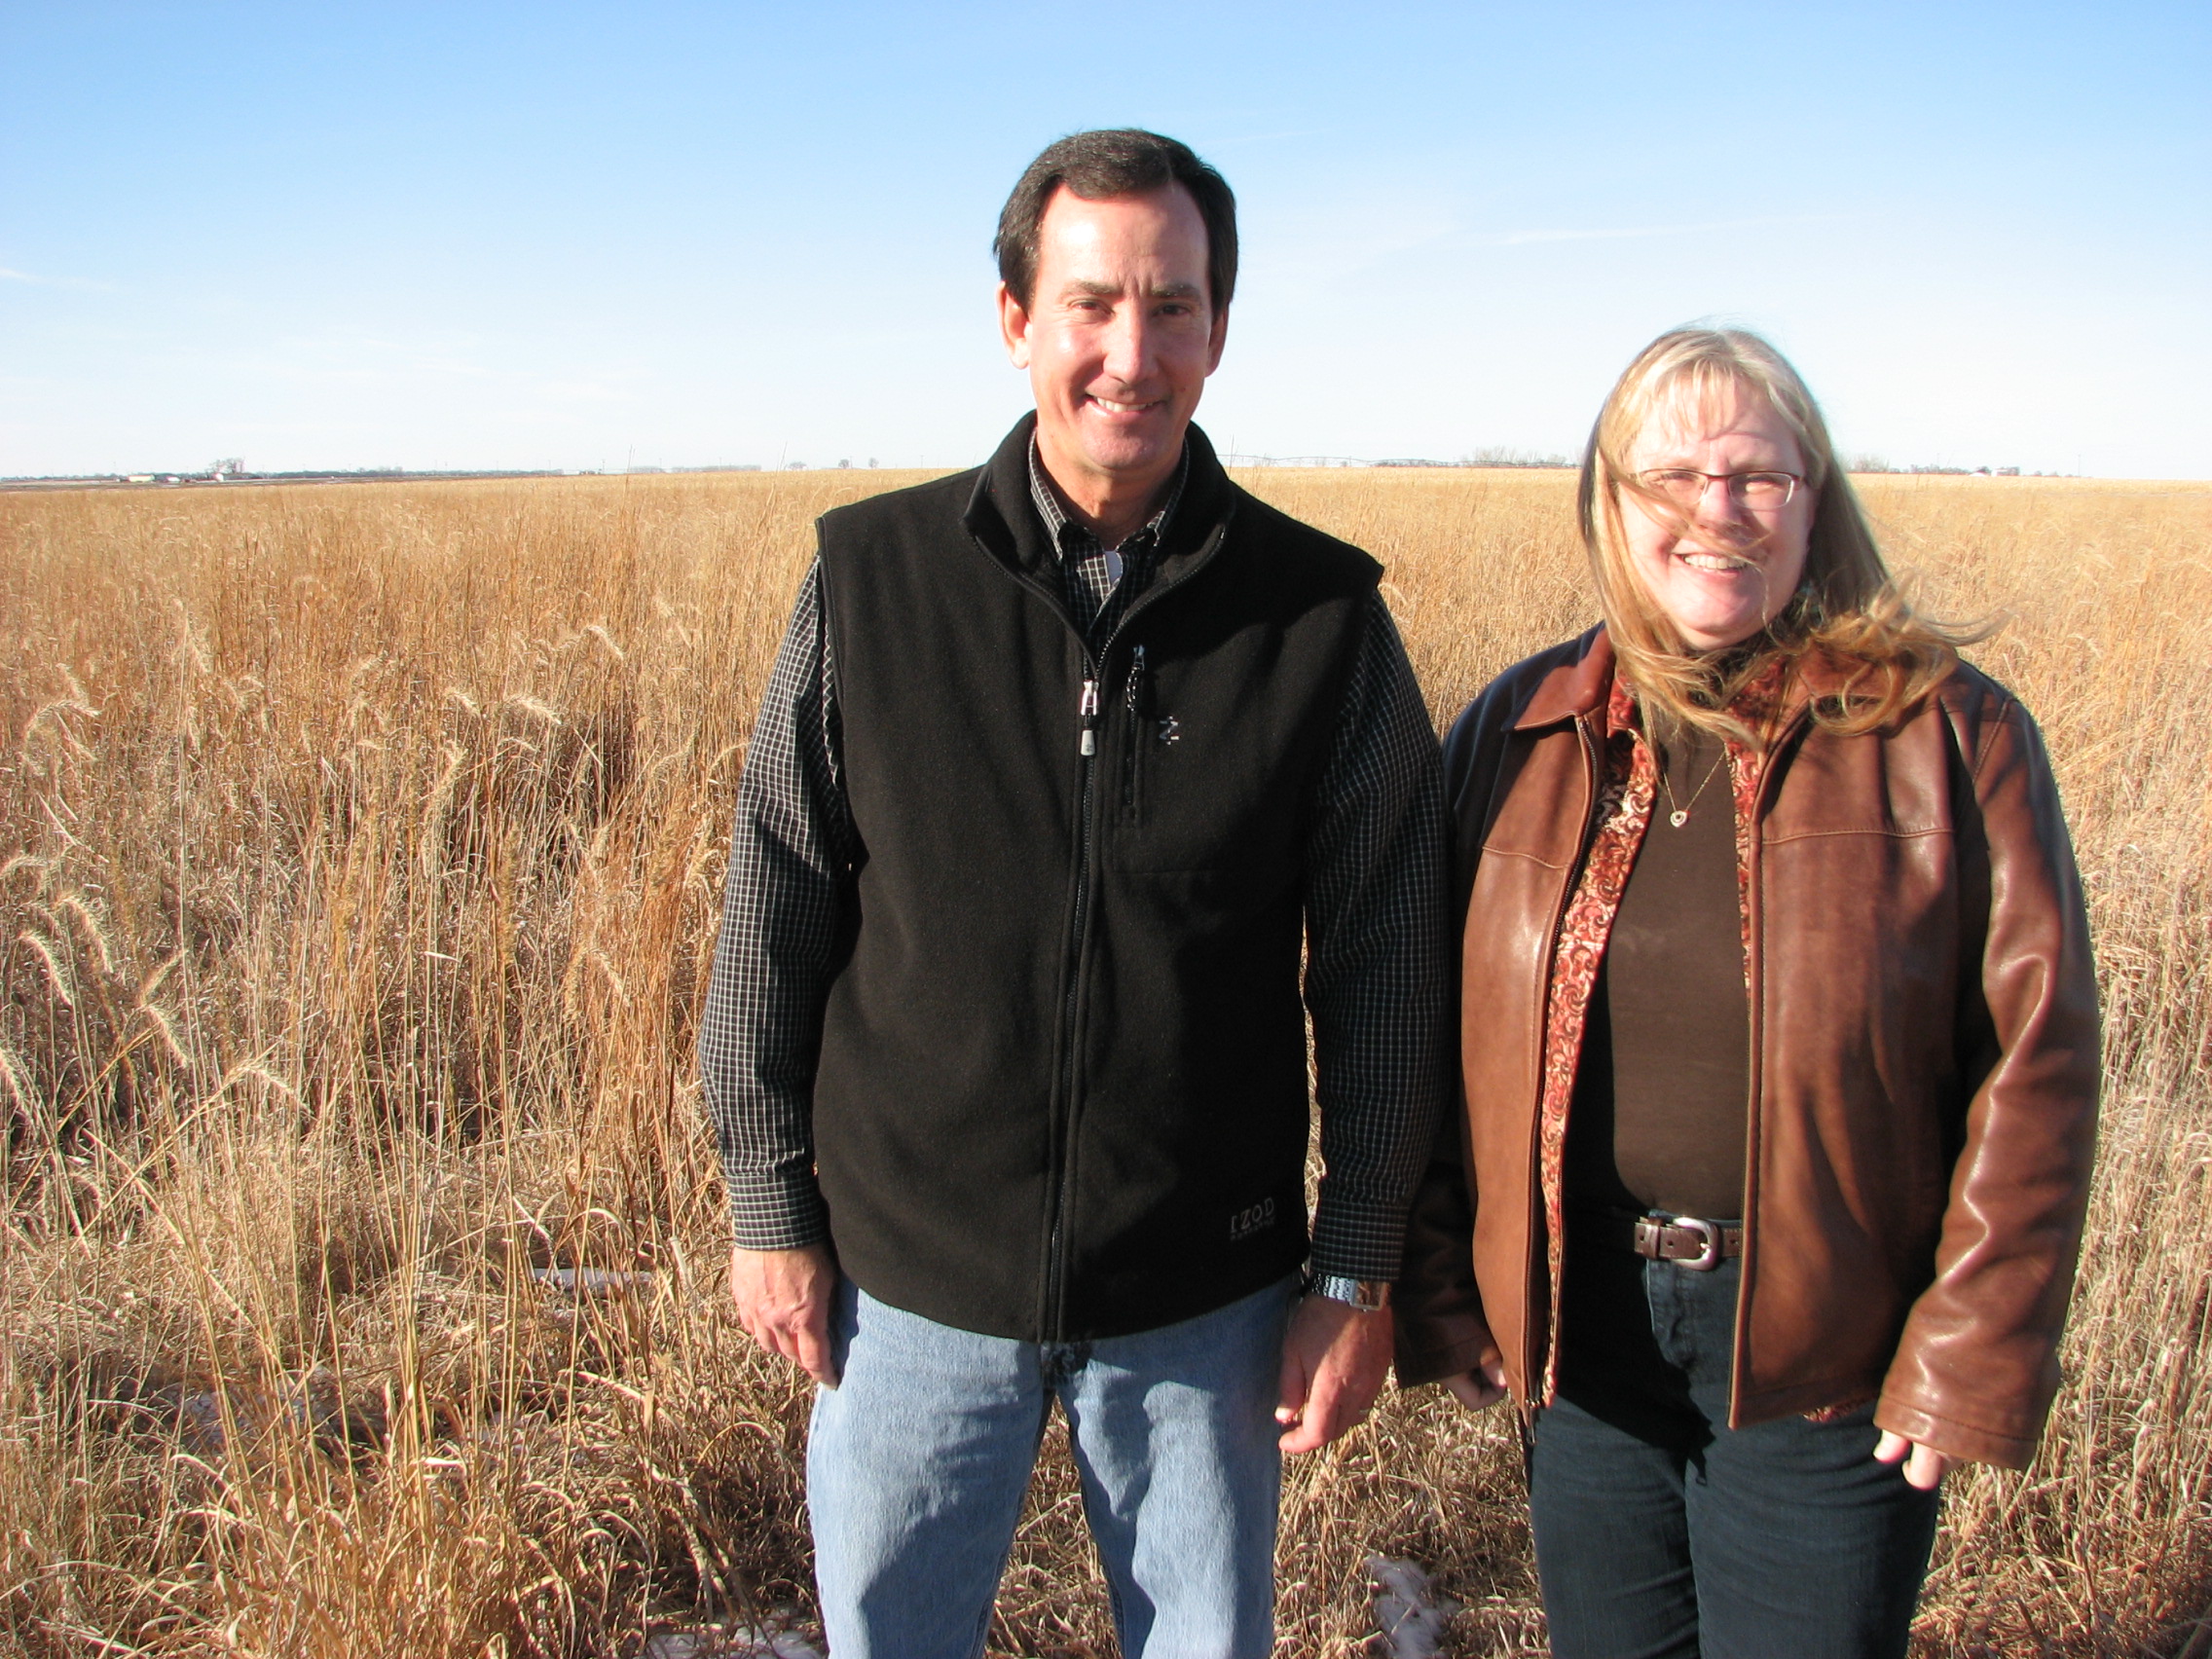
(1113, 408)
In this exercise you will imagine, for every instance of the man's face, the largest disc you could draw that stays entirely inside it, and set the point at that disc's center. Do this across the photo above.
(1119, 335)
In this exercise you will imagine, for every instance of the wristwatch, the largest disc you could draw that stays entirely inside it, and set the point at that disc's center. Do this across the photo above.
(1368, 1296)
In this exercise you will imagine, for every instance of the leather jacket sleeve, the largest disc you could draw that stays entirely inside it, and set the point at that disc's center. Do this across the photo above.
(1440, 1327)
(1977, 1366)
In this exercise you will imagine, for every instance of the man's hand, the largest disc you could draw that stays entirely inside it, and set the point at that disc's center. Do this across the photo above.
(1334, 1359)
(1924, 1467)
(783, 1299)
(1483, 1385)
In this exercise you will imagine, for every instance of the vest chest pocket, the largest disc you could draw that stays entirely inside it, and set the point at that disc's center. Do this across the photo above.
(1181, 804)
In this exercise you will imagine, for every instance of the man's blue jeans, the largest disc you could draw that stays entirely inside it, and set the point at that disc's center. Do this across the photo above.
(918, 1460)
(1663, 1533)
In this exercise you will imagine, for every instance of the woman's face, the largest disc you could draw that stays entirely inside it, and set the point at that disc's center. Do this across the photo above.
(1719, 557)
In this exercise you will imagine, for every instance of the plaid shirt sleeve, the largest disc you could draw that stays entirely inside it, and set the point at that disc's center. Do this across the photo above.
(1378, 959)
(787, 894)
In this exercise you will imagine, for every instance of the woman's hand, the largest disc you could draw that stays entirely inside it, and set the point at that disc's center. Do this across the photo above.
(1483, 1385)
(1925, 1468)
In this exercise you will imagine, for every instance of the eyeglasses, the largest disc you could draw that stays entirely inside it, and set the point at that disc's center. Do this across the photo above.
(1754, 492)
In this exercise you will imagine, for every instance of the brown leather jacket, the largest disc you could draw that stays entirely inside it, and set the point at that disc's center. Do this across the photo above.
(1924, 1037)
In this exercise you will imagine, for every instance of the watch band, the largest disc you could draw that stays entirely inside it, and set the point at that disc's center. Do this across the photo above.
(1368, 1296)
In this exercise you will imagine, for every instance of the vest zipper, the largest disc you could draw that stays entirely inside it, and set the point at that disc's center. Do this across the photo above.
(1054, 1321)
(1071, 1021)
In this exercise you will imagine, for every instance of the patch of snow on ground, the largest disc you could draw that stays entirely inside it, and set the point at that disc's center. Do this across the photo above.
(740, 1644)
(1409, 1614)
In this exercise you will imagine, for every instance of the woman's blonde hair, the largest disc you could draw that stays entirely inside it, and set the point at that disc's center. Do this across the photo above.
(1847, 607)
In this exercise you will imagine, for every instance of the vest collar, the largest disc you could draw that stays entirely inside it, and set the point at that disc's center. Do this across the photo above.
(1001, 517)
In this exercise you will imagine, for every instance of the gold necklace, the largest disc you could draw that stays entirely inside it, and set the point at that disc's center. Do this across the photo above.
(1677, 814)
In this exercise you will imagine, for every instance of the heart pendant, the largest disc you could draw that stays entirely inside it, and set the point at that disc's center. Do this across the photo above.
(1679, 817)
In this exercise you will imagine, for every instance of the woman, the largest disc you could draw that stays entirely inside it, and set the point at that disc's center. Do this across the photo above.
(1779, 1045)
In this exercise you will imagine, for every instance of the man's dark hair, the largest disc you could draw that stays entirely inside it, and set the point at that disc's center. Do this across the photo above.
(1104, 166)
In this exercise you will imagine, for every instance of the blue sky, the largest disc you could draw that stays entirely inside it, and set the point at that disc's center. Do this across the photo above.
(569, 236)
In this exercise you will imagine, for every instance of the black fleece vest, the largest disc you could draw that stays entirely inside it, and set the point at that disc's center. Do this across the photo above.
(1062, 1091)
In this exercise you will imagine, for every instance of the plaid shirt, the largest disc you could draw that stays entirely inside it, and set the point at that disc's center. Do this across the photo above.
(1102, 581)
(1378, 960)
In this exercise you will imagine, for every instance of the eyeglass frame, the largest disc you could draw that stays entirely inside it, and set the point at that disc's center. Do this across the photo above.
(1709, 479)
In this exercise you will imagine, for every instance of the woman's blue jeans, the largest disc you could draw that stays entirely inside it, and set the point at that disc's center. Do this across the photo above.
(918, 1460)
(1662, 1534)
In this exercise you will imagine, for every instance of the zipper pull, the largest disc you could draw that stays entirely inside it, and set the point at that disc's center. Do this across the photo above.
(1135, 694)
(1089, 710)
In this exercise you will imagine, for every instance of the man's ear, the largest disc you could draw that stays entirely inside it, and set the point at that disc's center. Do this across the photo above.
(1013, 327)
(1217, 337)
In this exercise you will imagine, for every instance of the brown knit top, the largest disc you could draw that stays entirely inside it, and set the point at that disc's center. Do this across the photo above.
(1662, 1094)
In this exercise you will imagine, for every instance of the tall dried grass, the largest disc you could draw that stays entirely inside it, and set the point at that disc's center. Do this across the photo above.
(360, 850)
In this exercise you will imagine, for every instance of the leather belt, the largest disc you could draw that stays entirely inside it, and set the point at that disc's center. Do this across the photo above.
(1684, 1239)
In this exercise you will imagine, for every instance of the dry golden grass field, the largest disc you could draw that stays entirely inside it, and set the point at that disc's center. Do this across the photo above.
(359, 854)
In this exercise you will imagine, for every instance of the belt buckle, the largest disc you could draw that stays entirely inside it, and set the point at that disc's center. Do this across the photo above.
(1709, 1235)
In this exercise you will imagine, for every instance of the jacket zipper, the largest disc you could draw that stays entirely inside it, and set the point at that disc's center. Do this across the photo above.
(1755, 987)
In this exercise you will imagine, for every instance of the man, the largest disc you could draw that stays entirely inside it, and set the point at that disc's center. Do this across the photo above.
(1062, 761)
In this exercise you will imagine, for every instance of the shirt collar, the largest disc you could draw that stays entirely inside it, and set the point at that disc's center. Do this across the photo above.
(1069, 536)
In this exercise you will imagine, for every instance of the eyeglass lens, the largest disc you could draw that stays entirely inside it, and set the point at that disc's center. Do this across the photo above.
(1686, 489)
